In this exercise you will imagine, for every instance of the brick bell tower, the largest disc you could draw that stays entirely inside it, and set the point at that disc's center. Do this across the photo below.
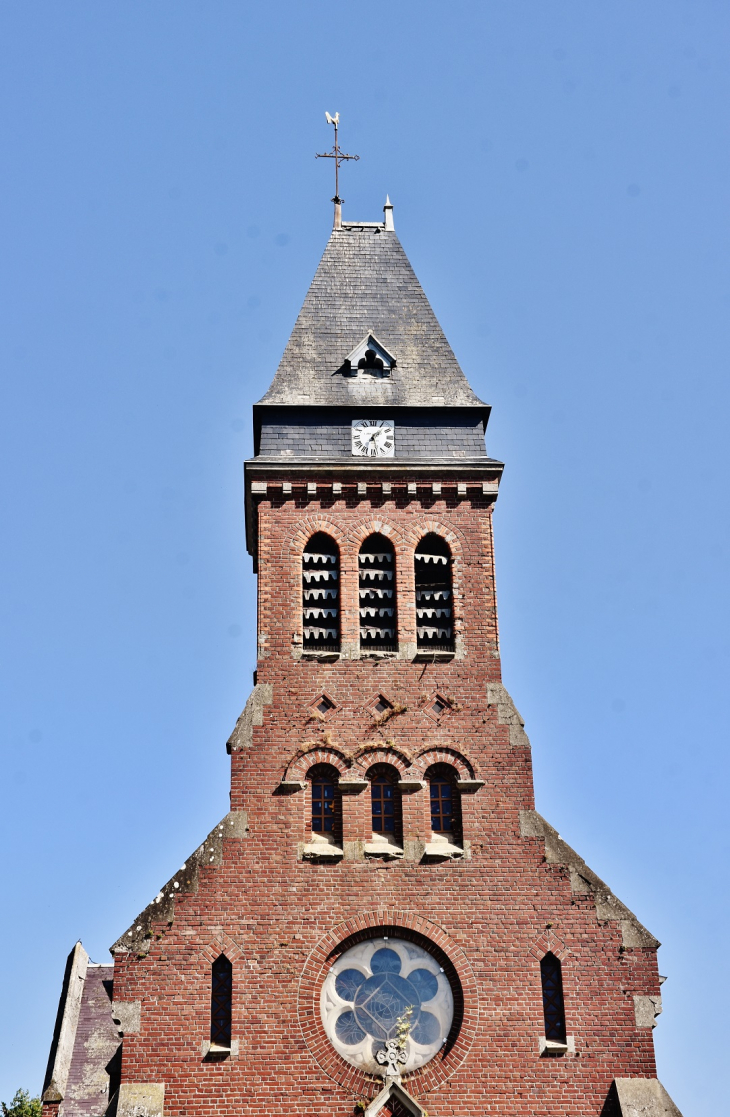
(382, 924)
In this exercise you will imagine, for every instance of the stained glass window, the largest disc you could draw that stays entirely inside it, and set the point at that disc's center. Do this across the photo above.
(387, 989)
(552, 998)
(220, 1002)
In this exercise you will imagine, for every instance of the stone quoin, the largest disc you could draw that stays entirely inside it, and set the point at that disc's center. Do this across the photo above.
(382, 923)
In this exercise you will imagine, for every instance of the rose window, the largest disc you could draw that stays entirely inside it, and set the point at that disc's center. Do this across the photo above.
(386, 989)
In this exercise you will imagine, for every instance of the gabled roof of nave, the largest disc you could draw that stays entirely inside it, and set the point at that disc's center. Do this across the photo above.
(365, 284)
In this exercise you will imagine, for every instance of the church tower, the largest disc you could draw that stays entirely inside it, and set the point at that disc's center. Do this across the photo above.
(382, 923)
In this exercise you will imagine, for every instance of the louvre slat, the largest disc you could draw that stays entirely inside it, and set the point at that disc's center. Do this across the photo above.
(376, 562)
(434, 594)
(320, 595)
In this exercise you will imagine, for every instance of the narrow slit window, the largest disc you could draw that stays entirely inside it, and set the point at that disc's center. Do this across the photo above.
(378, 606)
(553, 1003)
(434, 595)
(321, 595)
(221, 1000)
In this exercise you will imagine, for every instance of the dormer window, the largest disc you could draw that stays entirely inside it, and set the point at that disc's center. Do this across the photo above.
(371, 363)
(369, 359)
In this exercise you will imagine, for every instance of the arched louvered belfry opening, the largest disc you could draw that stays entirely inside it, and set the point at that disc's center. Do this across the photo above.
(378, 600)
(221, 1002)
(326, 803)
(385, 803)
(553, 1002)
(445, 803)
(321, 595)
(434, 595)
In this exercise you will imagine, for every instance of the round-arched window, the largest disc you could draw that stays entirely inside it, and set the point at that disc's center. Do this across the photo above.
(377, 592)
(434, 595)
(321, 595)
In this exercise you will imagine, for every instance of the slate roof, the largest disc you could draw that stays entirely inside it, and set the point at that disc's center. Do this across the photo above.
(365, 283)
(85, 1052)
(97, 1040)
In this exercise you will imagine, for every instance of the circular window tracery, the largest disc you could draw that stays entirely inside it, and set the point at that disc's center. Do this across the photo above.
(386, 989)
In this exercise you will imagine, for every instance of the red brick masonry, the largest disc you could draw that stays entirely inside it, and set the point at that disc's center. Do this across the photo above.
(489, 915)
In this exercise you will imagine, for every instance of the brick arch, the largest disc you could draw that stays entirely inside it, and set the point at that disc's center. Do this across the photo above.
(454, 537)
(358, 533)
(296, 541)
(300, 535)
(192, 968)
(380, 753)
(222, 943)
(444, 754)
(317, 754)
(414, 928)
(421, 526)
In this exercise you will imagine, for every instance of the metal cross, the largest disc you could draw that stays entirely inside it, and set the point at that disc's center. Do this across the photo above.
(337, 155)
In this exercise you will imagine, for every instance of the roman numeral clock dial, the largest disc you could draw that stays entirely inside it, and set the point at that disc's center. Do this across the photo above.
(373, 438)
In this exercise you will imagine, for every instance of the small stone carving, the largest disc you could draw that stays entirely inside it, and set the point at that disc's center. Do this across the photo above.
(391, 1056)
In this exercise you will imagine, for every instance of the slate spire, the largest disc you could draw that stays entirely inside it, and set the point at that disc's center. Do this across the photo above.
(365, 285)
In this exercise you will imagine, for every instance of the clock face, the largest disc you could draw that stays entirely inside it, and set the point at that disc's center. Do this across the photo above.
(373, 438)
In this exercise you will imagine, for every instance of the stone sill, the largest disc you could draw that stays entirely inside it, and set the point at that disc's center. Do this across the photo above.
(469, 786)
(433, 657)
(319, 849)
(442, 850)
(214, 1051)
(382, 849)
(554, 1047)
(289, 787)
(352, 787)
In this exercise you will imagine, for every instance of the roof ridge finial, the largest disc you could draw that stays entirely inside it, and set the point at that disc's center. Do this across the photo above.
(339, 157)
(388, 215)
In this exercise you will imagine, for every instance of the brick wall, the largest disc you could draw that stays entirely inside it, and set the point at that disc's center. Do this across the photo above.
(490, 914)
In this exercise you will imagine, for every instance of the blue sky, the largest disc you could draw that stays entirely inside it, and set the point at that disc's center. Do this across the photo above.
(560, 178)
